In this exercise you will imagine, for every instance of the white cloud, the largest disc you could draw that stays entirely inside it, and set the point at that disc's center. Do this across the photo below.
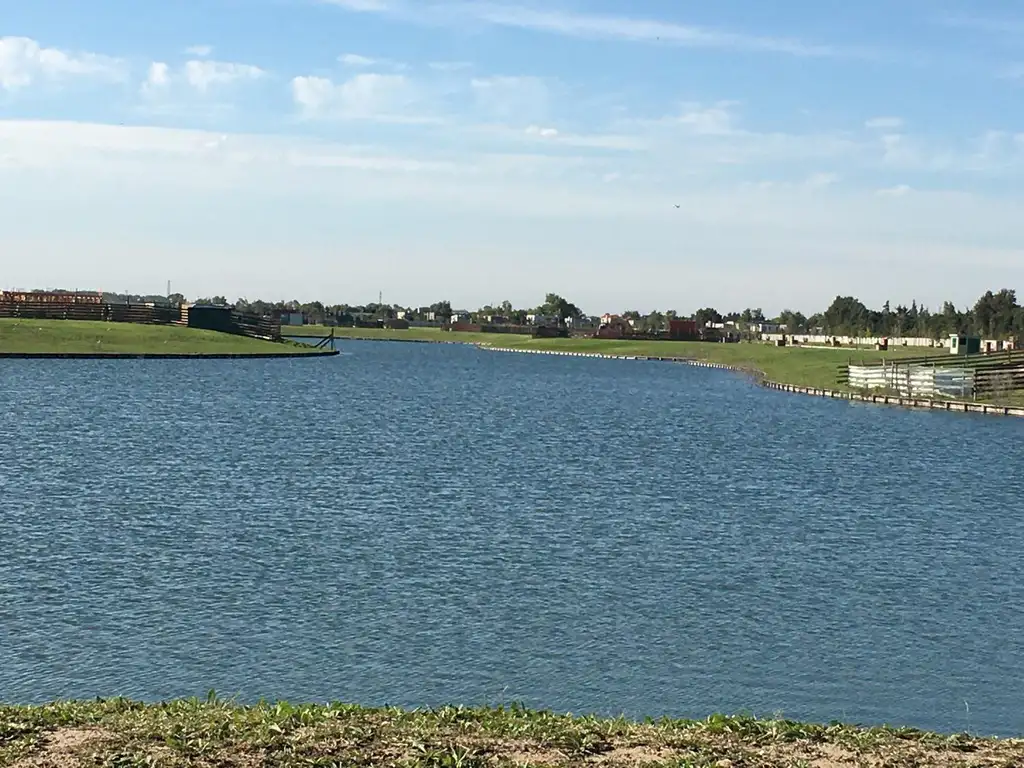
(159, 76)
(24, 62)
(369, 96)
(201, 51)
(888, 123)
(536, 130)
(710, 121)
(197, 77)
(901, 190)
(204, 74)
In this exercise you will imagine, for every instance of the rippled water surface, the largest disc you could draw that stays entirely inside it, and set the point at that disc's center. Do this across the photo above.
(419, 524)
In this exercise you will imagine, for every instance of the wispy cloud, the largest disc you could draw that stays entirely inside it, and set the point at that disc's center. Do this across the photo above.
(356, 60)
(24, 62)
(449, 66)
(361, 5)
(511, 97)
(989, 24)
(1013, 72)
(886, 123)
(202, 51)
(901, 190)
(595, 26)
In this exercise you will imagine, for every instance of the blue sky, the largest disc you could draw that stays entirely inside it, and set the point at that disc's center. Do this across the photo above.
(482, 151)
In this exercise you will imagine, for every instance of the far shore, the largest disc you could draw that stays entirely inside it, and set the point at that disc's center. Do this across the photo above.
(794, 368)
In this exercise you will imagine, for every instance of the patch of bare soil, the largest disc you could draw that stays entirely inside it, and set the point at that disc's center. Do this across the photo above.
(62, 748)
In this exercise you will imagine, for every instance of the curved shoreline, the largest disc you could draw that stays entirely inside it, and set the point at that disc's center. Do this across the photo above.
(955, 406)
(163, 355)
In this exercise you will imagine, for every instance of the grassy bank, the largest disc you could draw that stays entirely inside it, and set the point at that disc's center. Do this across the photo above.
(800, 366)
(213, 733)
(28, 336)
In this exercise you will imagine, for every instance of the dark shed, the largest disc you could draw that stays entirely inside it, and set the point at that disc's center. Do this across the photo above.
(210, 317)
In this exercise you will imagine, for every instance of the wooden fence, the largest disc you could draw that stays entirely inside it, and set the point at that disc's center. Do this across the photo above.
(976, 376)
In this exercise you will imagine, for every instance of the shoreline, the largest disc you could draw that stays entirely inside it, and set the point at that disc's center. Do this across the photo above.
(952, 406)
(164, 355)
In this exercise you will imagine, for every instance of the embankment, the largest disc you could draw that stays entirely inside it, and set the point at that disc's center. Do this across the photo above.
(958, 406)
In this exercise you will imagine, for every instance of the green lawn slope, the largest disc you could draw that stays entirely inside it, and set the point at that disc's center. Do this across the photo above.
(209, 733)
(26, 336)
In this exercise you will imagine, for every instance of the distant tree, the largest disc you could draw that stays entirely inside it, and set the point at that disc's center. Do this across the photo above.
(794, 322)
(707, 315)
(995, 313)
(846, 316)
(559, 307)
(654, 322)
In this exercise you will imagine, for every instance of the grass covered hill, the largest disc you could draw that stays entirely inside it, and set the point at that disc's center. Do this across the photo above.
(28, 336)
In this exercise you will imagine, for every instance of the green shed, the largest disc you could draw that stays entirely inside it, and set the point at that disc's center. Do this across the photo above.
(959, 344)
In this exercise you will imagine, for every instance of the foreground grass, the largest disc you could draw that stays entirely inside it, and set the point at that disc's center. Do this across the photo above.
(123, 734)
(81, 336)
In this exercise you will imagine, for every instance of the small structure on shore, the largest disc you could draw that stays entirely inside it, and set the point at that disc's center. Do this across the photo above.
(961, 344)
(209, 317)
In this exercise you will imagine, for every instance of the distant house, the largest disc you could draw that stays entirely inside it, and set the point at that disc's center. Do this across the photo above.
(584, 322)
(292, 318)
(536, 318)
(617, 327)
(51, 297)
(607, 318)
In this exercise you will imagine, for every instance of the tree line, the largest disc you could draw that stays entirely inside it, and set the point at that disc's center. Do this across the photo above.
(994, 315)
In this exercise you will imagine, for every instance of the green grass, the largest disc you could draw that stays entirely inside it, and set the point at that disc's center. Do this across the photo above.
(80, 336)
(123, 734)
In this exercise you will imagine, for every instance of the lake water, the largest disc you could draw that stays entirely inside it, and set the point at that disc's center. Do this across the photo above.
(418, 524)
